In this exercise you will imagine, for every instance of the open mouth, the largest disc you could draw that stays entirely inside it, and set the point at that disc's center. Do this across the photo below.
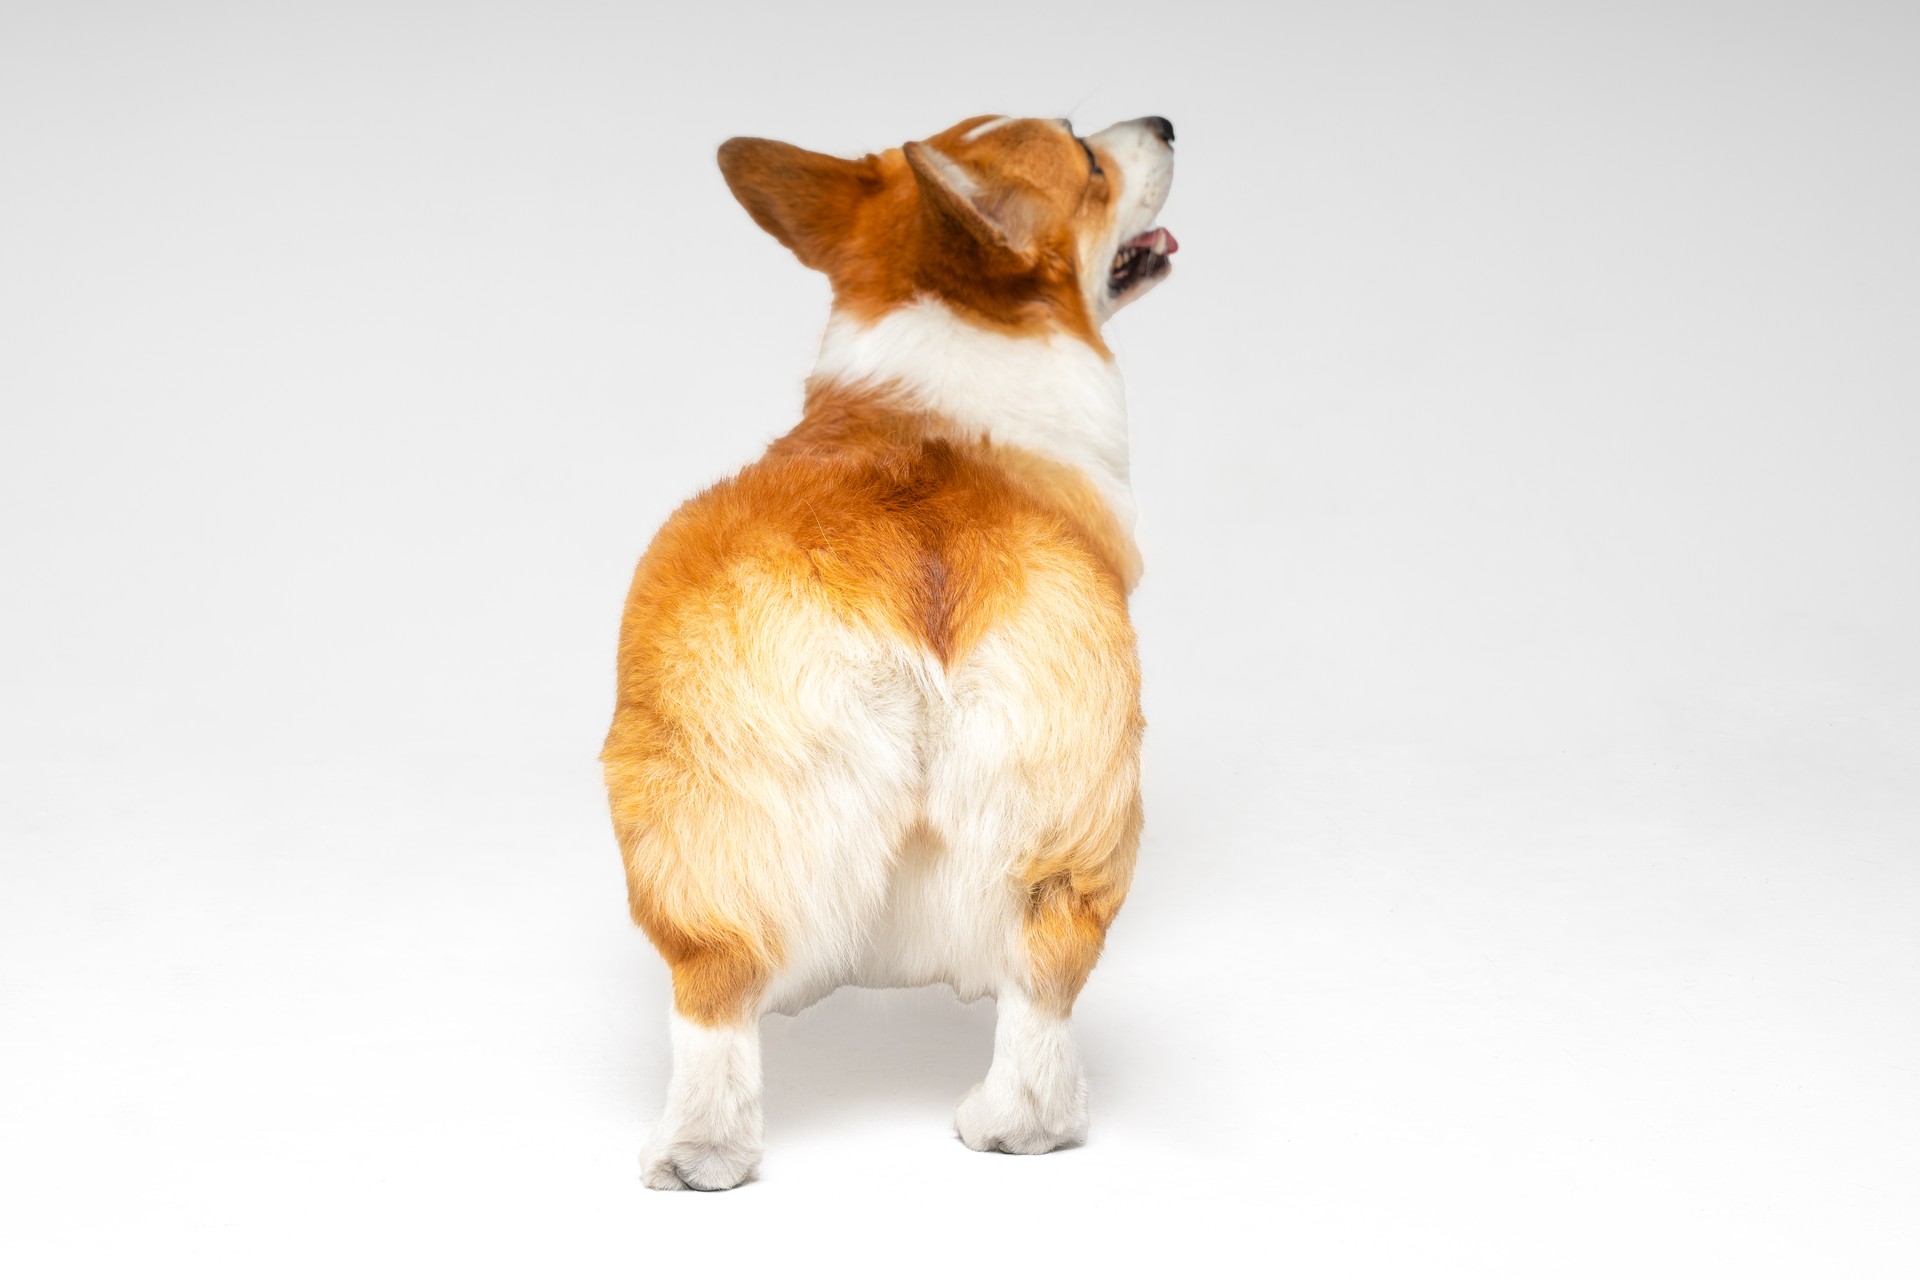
(1141, 259)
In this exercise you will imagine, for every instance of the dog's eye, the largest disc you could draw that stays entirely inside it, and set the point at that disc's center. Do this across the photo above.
(1093, 165)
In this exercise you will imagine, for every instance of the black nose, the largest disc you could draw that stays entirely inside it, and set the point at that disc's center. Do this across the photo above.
(1161, 126)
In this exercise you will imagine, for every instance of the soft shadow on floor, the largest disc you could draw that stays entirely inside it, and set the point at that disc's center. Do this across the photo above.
(859, 1055)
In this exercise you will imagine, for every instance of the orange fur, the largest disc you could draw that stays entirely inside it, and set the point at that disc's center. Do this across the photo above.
(1073, 893)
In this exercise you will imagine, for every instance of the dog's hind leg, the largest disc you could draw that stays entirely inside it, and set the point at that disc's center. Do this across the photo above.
(1035, 788)
(709, 1138)
(758, 803)
(1034, 1098)
(773, 922)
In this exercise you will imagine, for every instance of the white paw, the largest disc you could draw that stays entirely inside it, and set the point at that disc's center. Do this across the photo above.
(1009, 1117)
(710, 1137)
(688, 1163)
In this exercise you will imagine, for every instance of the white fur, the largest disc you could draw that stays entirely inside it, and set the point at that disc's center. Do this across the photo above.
(1034, 1098)
(710, 1137)
(954, 908)
(951, 173)
(982, 130)
(1145, 165)
(901, 848)
(1054, 396)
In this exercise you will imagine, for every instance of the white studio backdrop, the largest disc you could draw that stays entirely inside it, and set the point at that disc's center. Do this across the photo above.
(1526, 446)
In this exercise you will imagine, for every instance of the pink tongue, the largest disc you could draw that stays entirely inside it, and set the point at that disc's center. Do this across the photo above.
(1160, 240)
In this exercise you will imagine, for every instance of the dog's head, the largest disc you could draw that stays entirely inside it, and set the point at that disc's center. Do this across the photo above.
(1018, 222)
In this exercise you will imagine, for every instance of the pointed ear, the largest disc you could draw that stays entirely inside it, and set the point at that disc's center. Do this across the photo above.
(998, 221)
(801, 198)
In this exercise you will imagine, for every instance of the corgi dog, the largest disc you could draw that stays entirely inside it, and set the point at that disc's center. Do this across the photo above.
(878, 716)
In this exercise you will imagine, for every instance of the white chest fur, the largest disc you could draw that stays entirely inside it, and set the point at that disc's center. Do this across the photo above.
(1053, 396)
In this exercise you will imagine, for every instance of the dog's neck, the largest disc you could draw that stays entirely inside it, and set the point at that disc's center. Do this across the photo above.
(1054, 396)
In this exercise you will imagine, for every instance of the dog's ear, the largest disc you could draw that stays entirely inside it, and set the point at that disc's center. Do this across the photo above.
(801, 198)
(1001, 221)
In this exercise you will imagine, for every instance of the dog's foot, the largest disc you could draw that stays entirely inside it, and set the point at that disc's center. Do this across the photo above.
(995, 1116)
(685, 1163)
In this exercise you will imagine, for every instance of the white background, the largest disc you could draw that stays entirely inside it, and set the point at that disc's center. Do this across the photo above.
(1527, 451)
